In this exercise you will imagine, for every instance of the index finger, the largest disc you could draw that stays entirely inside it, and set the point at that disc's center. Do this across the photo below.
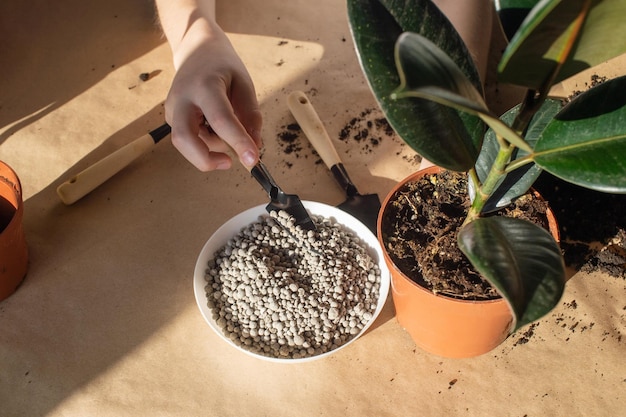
(221, 117)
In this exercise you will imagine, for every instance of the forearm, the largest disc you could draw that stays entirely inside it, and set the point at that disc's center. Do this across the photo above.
(212, 105)
(179, 17)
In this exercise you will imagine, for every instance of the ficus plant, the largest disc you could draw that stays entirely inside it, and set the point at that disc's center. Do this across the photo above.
(428, 87)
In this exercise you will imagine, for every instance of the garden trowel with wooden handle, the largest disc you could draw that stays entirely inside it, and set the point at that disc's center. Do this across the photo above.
(93, 176)
(363, 207)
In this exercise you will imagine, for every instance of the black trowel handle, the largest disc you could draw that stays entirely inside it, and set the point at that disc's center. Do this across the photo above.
(314, 129)
(262, 175)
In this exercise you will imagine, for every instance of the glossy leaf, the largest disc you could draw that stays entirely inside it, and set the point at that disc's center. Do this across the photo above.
(427, 72)
(437, 132)
(422, 65)
(585, 143)
(520, 259)
(576, 34)
(518, 182)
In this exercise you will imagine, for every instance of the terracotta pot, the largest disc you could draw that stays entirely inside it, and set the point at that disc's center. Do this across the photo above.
(13, 249)
(442, 325)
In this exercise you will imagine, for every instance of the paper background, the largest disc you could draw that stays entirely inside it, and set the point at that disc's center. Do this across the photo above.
(105, 323)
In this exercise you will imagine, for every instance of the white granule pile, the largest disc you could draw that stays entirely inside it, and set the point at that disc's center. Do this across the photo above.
(282, 292)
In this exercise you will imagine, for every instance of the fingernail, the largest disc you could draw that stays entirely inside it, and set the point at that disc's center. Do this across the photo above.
(223, 165)
(248, 158)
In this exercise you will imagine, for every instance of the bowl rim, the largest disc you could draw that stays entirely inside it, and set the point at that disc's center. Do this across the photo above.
(227, 230)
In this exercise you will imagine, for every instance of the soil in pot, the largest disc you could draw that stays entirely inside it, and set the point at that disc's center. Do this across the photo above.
(7, 211)
(420, 227)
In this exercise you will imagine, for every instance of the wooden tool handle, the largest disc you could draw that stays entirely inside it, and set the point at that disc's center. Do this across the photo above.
(313, 128)
(89, 179)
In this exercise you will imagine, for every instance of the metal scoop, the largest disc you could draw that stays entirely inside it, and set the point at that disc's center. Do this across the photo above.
(279, 200)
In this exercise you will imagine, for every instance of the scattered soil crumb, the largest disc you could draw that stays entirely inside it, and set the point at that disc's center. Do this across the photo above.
(292, 142)
(527, 335)
(364, 132)
(572, 324)
(594, 81)
(368, 130)
(611, 259)
(145, 76)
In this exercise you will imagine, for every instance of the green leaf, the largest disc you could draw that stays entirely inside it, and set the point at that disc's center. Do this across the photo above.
(518, 182)
(585, 143)
(562, 38)
(520, 259)
(423, 66)
(437, 132)
(427, 72)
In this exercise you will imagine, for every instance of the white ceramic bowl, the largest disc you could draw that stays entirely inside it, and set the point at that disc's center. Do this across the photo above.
(229, 229)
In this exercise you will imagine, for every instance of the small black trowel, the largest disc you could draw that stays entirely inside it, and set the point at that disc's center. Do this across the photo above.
(279, 200)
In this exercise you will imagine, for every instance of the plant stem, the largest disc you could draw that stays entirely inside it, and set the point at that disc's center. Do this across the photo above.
(532, 103)
(520, 162)
(474, 178)
(497, 171)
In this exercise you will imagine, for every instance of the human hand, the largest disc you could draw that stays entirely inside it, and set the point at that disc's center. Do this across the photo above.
(212, 105)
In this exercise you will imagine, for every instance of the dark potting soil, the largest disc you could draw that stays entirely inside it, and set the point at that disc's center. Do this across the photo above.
(7, 211)
(420, 229)
(364, 132)
(592, 225)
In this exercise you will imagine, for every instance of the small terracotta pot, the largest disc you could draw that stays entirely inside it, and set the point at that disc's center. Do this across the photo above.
(13, 249)
(442, 325)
